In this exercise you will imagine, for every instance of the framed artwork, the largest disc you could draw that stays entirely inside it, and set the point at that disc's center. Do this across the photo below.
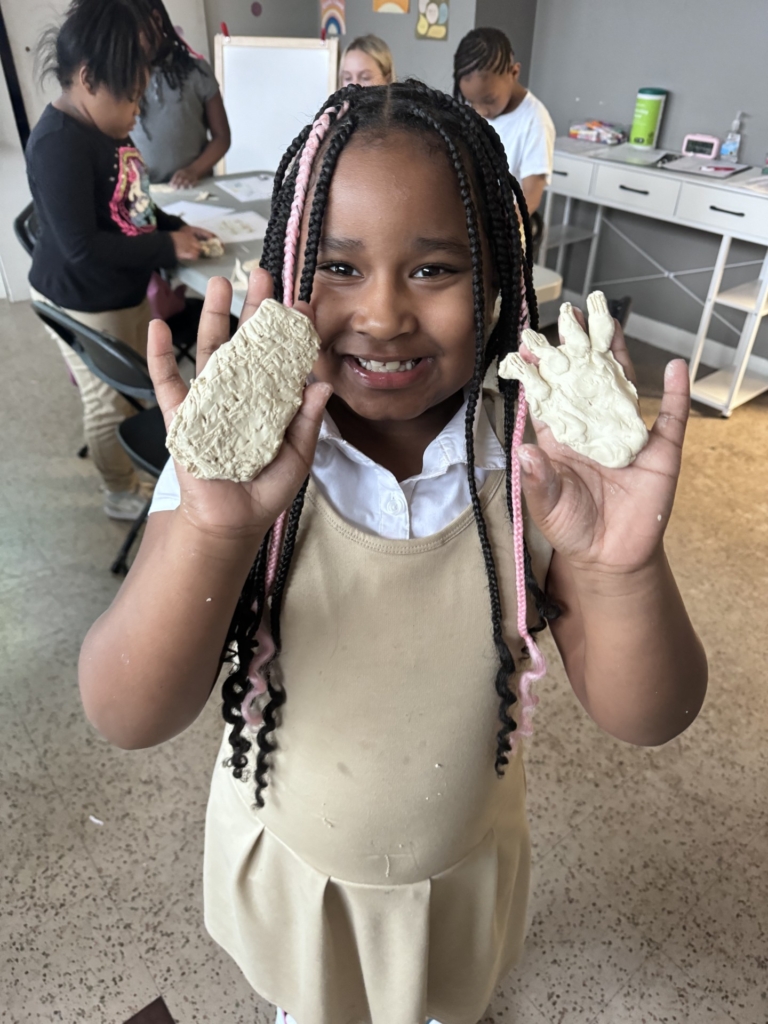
(332, 18)
(391, 6)
(433, 19)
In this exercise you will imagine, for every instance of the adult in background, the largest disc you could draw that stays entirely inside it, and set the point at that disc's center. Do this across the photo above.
(367, 61)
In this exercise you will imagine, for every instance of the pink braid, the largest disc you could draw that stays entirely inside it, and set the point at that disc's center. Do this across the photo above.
(265, 645)
(538, 668)
(265, 650)
(308, 154)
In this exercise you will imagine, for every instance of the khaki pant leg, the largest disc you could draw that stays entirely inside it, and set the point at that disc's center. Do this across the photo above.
(103, 408)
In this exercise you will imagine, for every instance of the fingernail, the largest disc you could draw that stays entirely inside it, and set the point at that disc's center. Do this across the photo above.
(526, 462)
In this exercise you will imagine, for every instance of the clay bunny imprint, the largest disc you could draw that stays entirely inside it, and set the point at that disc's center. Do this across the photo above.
(579, 389)
(233, 420)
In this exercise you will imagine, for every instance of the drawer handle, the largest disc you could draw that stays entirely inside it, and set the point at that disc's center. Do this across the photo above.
(640, 191)
(733, 213)
(563, 174)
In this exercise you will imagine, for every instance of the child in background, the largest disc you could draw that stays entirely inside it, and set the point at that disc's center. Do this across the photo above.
(486, 75)
(367, 61)
(181, 106)
(382, 874)
(100, 235)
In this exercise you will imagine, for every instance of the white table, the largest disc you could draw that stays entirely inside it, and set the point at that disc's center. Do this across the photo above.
(547, 283)
(583, 171)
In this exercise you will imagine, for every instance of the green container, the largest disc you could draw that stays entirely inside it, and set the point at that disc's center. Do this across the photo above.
(648, 110)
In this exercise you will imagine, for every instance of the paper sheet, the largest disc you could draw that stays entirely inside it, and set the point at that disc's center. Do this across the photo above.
(238, 227)
(250, 189)
(196, 213)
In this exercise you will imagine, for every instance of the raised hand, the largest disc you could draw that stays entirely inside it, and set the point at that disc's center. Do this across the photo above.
(218, 506)
(596, 517)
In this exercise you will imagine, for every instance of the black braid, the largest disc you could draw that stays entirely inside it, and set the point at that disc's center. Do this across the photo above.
(239, 646)
(482, 49)
(276, 692)
(491, 197)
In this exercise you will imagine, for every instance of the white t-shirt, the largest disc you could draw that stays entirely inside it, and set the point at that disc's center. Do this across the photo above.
(528, 134)
(370, 498)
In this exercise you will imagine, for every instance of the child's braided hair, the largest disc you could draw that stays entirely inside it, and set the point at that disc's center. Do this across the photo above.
(482, 49)
(494, 205)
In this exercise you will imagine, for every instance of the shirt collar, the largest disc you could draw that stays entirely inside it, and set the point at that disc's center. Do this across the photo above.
(448, 449)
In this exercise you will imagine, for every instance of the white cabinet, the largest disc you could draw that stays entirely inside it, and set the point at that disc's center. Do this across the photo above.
(652, 194)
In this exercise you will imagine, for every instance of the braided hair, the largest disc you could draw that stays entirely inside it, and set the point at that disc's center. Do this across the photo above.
(174, 59)
(482, 49)
(494, 206)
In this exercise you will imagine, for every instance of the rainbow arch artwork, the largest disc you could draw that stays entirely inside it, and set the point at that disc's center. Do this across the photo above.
(391, 6)
(332, 18)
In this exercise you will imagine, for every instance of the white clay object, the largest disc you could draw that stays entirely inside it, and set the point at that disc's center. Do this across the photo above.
(233, 420)
(579, 389)
(211, 248)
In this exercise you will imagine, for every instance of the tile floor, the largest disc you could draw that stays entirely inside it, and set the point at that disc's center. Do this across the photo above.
(650, 901)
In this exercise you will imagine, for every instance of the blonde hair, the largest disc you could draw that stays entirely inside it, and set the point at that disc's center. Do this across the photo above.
(378, 50)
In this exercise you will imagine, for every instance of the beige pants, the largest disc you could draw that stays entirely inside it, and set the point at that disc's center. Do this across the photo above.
(103, 408)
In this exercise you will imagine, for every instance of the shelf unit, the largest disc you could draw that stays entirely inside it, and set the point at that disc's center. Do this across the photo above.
(728, 388)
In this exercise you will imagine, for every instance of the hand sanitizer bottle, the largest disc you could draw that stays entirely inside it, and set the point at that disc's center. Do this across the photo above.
(729, 151)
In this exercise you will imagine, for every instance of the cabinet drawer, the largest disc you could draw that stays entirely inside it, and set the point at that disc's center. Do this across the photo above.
(648, 193)
(724, 210)
(571, 177)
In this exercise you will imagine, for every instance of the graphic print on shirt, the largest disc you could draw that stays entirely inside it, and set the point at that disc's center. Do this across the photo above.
(131, 206)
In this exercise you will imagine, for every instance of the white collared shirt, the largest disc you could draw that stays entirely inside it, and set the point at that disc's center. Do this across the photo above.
(370, 498)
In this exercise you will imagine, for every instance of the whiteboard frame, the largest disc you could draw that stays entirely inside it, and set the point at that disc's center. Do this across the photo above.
(331, 43)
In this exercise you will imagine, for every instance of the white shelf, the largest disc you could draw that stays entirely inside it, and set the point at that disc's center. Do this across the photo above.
(743, 297)
(713, 389)
(567, 234)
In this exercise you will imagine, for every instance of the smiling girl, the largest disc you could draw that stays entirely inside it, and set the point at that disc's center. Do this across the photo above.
(383, 642)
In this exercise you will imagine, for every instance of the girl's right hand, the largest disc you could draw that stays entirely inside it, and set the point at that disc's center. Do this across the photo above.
(222, 508)
(186, 243)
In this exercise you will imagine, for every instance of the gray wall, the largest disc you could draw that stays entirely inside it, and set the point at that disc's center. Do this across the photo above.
(427, 59)
(278, 18)
(590, 57)
(516, 18)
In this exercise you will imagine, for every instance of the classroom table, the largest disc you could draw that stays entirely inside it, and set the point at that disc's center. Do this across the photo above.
(196, 275)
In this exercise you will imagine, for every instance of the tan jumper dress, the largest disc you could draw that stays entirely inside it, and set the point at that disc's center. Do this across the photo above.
(386, 879)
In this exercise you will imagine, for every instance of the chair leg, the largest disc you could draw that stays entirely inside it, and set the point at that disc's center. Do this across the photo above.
(120, 565)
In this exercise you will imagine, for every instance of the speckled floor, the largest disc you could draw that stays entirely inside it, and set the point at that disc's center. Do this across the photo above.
(650, 900)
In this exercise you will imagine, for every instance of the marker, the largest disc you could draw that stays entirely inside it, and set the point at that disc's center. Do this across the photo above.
(224, 29)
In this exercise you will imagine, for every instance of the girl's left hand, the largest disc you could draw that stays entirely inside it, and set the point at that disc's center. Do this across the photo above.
(185, 177)
(201, 233)
(609, 520)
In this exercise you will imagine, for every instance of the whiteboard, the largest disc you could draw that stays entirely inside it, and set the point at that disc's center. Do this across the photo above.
(271, 88)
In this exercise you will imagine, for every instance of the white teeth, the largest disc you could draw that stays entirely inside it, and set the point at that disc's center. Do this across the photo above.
(395, 366)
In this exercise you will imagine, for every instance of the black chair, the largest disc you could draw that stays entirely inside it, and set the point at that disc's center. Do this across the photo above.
(115, 363)
(26, 228)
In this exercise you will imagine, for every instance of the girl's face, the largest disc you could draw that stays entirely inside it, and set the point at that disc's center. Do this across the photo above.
(392, 292)
(359, 68)
(488, 92)
(115, 117)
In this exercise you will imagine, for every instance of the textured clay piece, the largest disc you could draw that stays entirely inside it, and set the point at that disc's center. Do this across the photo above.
(579, 389)
(211, 248)
(232, 422)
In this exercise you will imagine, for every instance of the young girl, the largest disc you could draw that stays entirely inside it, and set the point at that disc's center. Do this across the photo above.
(100, 235)
(367, 61)
(181, 107)
(487, 76)
(382, 874)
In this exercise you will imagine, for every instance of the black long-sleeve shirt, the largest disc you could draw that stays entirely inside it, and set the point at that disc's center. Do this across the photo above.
(100, 235)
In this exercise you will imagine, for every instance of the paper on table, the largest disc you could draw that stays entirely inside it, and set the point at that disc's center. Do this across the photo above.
(757, 184)
(195, 213)
(251, 189)
(238, 227)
